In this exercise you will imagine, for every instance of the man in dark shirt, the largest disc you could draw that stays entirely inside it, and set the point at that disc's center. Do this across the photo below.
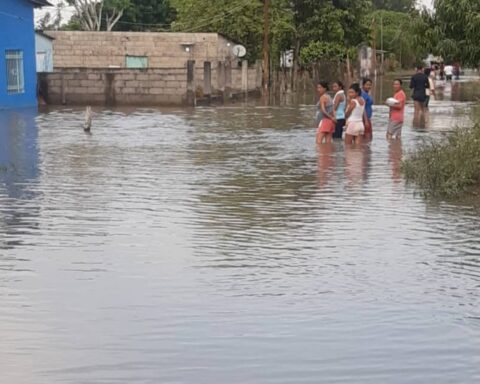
(419, 84)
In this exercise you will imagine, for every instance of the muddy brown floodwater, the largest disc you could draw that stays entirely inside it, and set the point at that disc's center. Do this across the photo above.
(219, 245)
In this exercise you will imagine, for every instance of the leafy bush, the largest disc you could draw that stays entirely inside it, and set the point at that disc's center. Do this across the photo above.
(449, 167)
(317, 51)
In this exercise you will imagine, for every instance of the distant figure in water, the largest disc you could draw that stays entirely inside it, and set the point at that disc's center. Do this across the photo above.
(326, 127)
(355, 116)
(339, 105)
(449, 72)
(419, 84)
(397, 112)
(367, 85)
(88, 119)
(456, 71)
(431, 89)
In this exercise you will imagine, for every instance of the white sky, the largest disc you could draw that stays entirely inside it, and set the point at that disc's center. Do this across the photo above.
(69, 10)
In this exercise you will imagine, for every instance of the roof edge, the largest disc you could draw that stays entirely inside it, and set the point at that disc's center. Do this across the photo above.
(40, 3)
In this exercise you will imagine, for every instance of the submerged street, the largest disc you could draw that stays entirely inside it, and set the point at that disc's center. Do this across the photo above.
(220, 245)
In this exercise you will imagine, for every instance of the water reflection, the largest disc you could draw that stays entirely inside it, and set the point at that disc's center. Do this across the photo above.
(326, 160)
(19, 170)
(222, 244)
(357, 163)
(395, 155)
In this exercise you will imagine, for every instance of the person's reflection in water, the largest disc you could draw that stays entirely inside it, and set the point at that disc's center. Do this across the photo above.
(395, 155)
(326, 160)
(357, 162)
(456, 95)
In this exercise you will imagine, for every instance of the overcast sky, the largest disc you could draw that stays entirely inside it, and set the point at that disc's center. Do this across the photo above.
(69, 10)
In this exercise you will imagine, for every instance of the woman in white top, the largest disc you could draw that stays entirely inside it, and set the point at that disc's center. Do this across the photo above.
(355, 114)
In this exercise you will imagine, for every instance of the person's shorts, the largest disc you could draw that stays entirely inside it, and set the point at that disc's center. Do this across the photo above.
(419, 98)
(449, 77)
(326, 126)
(395, 128)
(355, 128)
(339, 129)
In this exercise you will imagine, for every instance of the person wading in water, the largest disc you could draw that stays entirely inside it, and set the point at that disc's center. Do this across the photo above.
(355, 116)
(339, 105)
(397, 112)
(419, 84)
(326, 128)
(366, 88)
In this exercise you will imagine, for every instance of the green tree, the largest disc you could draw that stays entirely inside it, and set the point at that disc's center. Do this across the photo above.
(456, 30)
(147, 15)
(238, 20)
(330, 23)
(395, 5)
(92, 14)
(404, 36)
(49, 21)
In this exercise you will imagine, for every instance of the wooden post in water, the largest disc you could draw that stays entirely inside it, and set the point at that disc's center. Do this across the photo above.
(207, 79)
(228, 80)
(191, 91)
(221, 78)
(245, 76)
(63, 89)
(258, 83)
(266, 47)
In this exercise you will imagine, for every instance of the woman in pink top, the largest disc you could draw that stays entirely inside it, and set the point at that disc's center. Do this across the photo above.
(397, 112)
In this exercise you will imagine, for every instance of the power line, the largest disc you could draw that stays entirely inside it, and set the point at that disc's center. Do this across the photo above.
(192, 29)
(12, 16)
(219, 17)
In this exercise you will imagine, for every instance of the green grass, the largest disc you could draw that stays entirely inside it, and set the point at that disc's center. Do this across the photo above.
(447, 168)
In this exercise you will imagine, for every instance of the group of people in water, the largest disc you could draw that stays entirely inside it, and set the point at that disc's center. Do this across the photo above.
(350, 112)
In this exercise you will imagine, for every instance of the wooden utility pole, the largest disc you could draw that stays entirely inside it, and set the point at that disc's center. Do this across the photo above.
(382, 71)
(266, 48)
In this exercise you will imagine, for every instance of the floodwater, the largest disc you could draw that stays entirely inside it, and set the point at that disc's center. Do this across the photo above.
(219, 245)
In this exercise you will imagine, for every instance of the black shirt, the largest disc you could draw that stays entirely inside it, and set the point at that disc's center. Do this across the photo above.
(419, 83)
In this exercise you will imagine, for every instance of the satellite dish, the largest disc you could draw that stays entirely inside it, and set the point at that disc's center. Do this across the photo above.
(239, 51)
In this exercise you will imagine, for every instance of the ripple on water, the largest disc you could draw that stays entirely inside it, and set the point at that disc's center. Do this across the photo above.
(219, 245)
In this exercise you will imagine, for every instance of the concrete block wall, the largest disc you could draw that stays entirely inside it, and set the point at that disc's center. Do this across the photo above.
(75, 49)
(115, 86)
(120, 86)
(254, 81)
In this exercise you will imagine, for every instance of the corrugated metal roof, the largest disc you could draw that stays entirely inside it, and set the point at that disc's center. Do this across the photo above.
(42, 33)
(40, 3)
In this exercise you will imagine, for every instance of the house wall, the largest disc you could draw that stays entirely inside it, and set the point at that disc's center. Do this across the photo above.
(109, 49)
(17, 33)
(122, 86)
(44, 45)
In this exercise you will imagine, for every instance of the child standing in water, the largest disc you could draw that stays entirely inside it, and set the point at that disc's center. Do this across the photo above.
(355, 115)
(397, 112)
(367, 85)
(339, 104)
(327, 118)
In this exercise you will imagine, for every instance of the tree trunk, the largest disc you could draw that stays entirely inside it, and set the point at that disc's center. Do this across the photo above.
(349, 70)
(296, 59)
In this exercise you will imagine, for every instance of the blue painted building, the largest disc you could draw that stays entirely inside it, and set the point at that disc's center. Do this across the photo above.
(18, 78)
